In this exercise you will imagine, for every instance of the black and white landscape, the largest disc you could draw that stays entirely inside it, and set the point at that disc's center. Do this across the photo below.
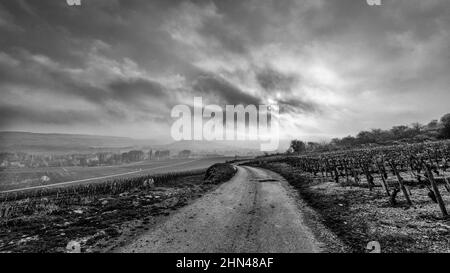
(91, 158)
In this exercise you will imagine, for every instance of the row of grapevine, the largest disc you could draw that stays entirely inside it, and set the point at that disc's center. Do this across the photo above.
(112, 187)
(393, 168)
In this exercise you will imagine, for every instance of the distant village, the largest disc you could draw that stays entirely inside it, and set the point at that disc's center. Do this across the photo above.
(25, 160)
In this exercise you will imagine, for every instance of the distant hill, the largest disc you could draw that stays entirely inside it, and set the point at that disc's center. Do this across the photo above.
(222, 147)
(36, 142)
(196, 145)
(204, 147)
(76, 143)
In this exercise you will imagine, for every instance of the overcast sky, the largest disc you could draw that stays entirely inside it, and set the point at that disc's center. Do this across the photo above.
(115, 67)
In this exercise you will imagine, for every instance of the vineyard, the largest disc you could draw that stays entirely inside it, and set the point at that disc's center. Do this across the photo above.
(19, 178)
(399, 195)
(18, 203)
(43, 220)
(393, 169)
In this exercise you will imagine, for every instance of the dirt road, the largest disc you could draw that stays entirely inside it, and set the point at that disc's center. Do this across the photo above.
(254, 212)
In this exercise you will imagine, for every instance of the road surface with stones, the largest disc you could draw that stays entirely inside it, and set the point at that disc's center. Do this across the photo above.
(254, 212)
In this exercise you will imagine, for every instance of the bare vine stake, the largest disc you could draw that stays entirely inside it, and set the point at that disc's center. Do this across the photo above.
(436, 191)
(402, 186)
(447, 182)
(383, 181)
(355, 175)
(368, 178)
(346, 172)
(336, 173)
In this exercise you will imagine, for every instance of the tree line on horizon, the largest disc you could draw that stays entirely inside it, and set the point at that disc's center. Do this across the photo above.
(416, 132)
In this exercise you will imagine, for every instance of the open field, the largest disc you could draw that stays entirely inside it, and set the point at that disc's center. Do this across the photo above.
(15, 179)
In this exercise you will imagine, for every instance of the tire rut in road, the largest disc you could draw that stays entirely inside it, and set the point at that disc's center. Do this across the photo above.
(242, 215)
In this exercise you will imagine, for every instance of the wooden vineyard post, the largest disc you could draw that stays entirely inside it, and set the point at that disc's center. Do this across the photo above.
(383, 181)
(369, 182)
(346, 172)
(402, 186)
(355, 174)
(447, 183)
(369, 177)
(336, 174)
(435, 188)
(326, 169)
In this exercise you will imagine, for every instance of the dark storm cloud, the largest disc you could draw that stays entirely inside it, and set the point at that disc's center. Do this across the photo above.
(64, 33)
(272, 80)
(297, 106)
(137, 89)
(230, 36)
(25, 114)
(131, 60)
(222, 90)
(41, 75)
